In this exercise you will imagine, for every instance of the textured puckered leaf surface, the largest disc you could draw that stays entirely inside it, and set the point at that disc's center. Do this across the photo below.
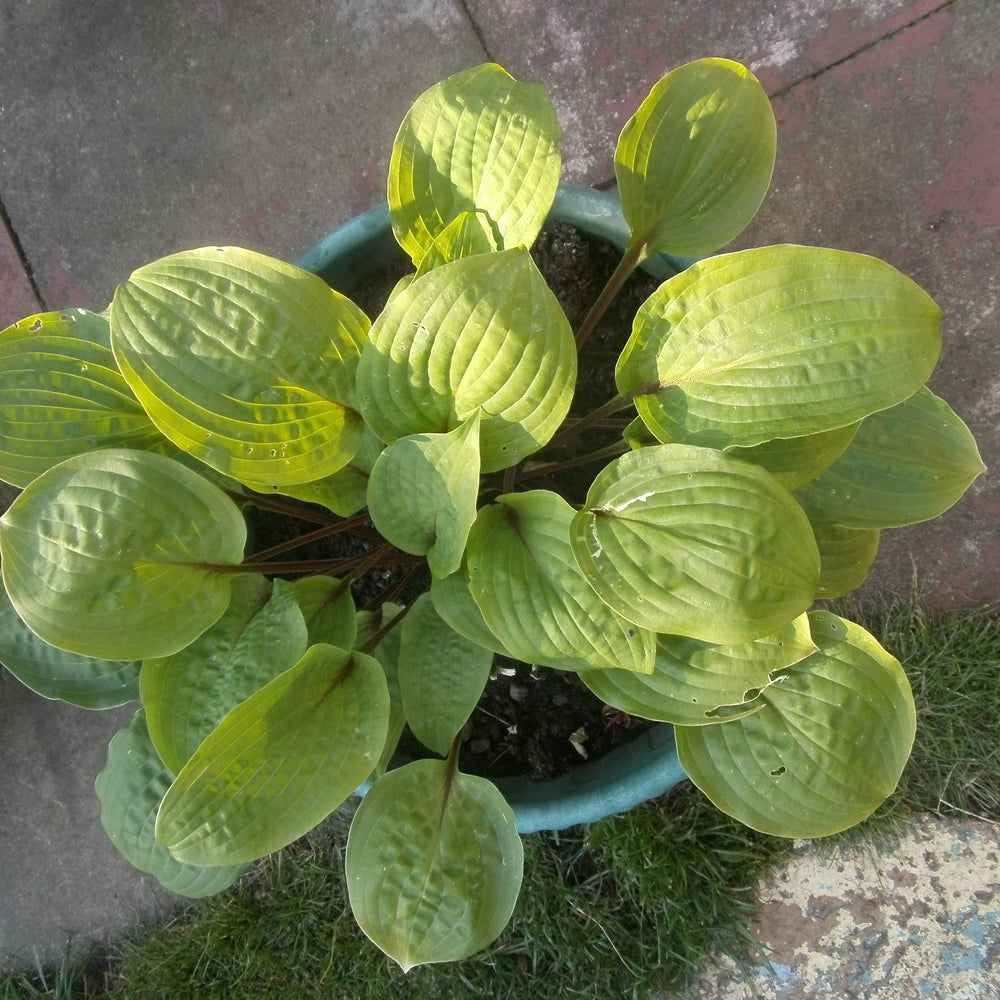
(441, 676)
(434, 863)
(482, 333)
(280, 762)
(825, 750)
(244, 361)
(906, 464)
(692, 680)
(130, 789)
(61, 394)
(422, 494)
(687, 541)
(187, 695)
(106, 554)
(534, 597)
(694, 162)
(760, 344)
(55, 673)
(478, 141)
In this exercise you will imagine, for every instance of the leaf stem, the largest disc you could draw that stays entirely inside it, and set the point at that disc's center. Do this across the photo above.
(618, 448)
(634, 255)
(605, 410)
(327, 531)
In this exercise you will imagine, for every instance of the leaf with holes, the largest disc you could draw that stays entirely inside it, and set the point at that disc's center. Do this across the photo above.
(479, 141)
(761, 344)
(534, 597)
(120, 554)
(279, 762)
(694, 162)
(825, 750)
(693, 680)
(483, 333)
(434, 863)
(243, 361)
(687, 541)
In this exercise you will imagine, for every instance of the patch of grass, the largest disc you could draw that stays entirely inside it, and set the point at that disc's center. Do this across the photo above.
(636, 904)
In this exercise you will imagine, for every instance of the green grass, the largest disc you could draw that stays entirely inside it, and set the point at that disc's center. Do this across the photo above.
(635, 904)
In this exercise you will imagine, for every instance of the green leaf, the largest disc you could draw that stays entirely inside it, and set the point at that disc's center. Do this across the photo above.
(482, 333)
(244, 361)
(906, 464)
(386, 652)
(433, 864)
(693, 680)
(423, 491)
(467, 234)
(61, 394)
(797, 461)
(441, 676)
(694, 162)
(280, 762)
(130, 788)
(777, 342)
(327, 606)
(687, 541)
(187, 695)
(534, 597)
(825, 750)
(478, 141)
(455, 604)
(120, 554)
(846, 556)
(53, 673)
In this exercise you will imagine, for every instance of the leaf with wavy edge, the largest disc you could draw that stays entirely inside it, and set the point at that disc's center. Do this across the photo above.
(61, 394)
(481, 333)
(244, 361)
(120, 554)
(759, 344)
(906, 464)
(826, 749)
(477, 141)
(694, 162)
(535, 599)
(434, 863)
(688, 541)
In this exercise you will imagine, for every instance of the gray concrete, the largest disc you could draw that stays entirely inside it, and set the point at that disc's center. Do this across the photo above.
(131, 129)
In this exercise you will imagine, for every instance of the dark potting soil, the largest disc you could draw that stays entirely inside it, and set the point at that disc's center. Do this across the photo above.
(530, 720)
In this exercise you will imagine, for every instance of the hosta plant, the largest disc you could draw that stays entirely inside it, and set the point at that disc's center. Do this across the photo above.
(769, 419)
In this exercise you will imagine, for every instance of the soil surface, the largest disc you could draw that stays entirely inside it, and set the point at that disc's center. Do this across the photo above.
(530, 720)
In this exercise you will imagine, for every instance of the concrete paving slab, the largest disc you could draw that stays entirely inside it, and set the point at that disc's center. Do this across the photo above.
(129, 130)
(16, 296)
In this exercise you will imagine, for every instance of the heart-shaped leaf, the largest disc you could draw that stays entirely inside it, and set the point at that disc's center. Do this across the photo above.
(478, 141)
(187, 695)
(279, 762)
(244, 361)
(422, 494)
(534, 597)
(846, 556)
(906, 464)
(61, 394)
(441, 676)
(692, 680)
(130, 789)
(688, 541)
(760, 344)
(120, 554)
(434, 863)
(481, 333)
(53, 673)
(827, 748)
(694, 162)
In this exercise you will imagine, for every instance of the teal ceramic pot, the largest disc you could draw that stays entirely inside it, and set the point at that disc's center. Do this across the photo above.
(647, 766)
